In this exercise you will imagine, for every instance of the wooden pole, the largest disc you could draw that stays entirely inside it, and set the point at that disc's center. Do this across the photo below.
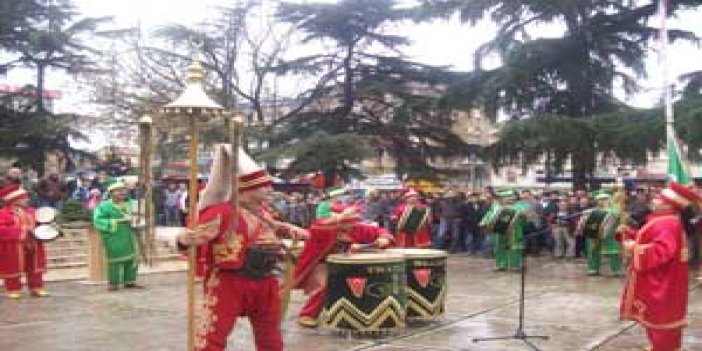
(144, 204)
(192, 223)
(149, 195)
(235, 130)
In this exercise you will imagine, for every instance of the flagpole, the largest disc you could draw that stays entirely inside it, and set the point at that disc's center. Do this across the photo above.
(678, 169)
(667, 89)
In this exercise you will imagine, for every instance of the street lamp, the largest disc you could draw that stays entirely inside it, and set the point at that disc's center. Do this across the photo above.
(194, 105)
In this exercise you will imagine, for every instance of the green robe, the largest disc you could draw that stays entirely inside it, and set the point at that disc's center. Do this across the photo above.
(119, 238)
(323, 209)
(507, 246)
(516, 236)
(607, 246)
(487, 217)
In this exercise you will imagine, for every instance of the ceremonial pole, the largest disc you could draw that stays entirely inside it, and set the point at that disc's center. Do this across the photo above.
(195, 105)
(146, 188)
(236, 127)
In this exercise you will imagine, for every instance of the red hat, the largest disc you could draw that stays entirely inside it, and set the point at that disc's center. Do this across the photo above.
(12, 193)
(679, 196)
(410, 194)
(345, 214)
(338, 207)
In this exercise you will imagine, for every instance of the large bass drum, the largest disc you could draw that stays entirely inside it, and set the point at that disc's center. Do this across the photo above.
(596, 223)
(366, 293)
(426, 283)
(413, 219)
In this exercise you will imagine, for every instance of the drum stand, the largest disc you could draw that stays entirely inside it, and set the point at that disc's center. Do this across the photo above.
(519, 334)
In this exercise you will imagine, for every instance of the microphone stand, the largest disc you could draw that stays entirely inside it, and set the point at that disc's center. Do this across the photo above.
(519, 334)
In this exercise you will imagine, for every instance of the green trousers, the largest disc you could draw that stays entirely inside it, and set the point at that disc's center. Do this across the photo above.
(594, 259)
(120, 273)
(505, 257)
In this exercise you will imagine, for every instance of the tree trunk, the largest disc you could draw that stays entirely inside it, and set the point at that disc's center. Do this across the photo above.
(39, 93)
(330, 177)
(583, 165)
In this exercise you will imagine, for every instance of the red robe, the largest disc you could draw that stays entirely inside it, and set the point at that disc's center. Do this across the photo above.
(324, 239)
(229, 295)
(656, 289)
(422, 238)
(20, 252)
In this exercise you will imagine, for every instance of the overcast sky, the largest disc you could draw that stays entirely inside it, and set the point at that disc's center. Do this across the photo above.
(433, 43)
(442, 42)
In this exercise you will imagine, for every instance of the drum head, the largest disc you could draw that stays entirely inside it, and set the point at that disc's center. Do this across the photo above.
(419, 253)
(45, 214)
(46, 232)
(365, 257)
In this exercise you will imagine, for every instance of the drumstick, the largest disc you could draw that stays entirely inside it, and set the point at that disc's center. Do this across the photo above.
(289, 277)
(364, 247)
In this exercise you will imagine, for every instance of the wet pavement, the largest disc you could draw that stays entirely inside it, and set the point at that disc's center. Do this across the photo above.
(577, 313)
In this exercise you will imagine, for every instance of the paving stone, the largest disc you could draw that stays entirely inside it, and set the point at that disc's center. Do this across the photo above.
(577, 313)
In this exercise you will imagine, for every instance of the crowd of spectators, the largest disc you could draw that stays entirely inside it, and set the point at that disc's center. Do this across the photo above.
(455, 214)
(551, 230)
(53, 189)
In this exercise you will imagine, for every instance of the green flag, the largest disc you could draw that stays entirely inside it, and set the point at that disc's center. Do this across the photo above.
(676, 166)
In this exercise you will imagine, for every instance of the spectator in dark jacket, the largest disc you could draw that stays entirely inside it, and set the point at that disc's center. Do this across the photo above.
(51, 191)
(471, 217)
(449, 221)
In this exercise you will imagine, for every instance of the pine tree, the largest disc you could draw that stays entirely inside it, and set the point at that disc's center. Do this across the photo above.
(556, 86)
(368, 89)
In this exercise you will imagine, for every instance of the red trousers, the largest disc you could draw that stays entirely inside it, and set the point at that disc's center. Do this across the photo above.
(314, 304)
(316, 289)
(229, 296)
(35, 281)
(35, 275)
(665, 339)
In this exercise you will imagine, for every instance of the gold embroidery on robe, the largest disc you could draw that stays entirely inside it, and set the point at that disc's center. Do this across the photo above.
(204, 316)
(229, 250)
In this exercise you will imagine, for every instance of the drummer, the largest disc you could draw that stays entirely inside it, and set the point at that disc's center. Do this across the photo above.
(343, 232)
(20, 253)
(508, 245)
(607, 246)
(413, 222)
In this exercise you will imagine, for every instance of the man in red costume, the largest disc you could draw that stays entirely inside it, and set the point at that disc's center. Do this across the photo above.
(655, 294)
(415, 215)
(239, 261)
(343, 232)
(20, 252)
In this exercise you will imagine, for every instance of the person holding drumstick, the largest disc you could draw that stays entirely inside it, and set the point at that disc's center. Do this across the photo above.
(20, 252)
(601, 236)
(413, 221)
(343, 232)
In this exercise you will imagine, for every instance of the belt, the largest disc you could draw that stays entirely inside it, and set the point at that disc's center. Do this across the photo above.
(249, 274)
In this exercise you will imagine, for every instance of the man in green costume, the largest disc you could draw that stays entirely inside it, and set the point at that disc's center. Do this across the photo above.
(509, 243)
(112, 219)
(605, 244)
